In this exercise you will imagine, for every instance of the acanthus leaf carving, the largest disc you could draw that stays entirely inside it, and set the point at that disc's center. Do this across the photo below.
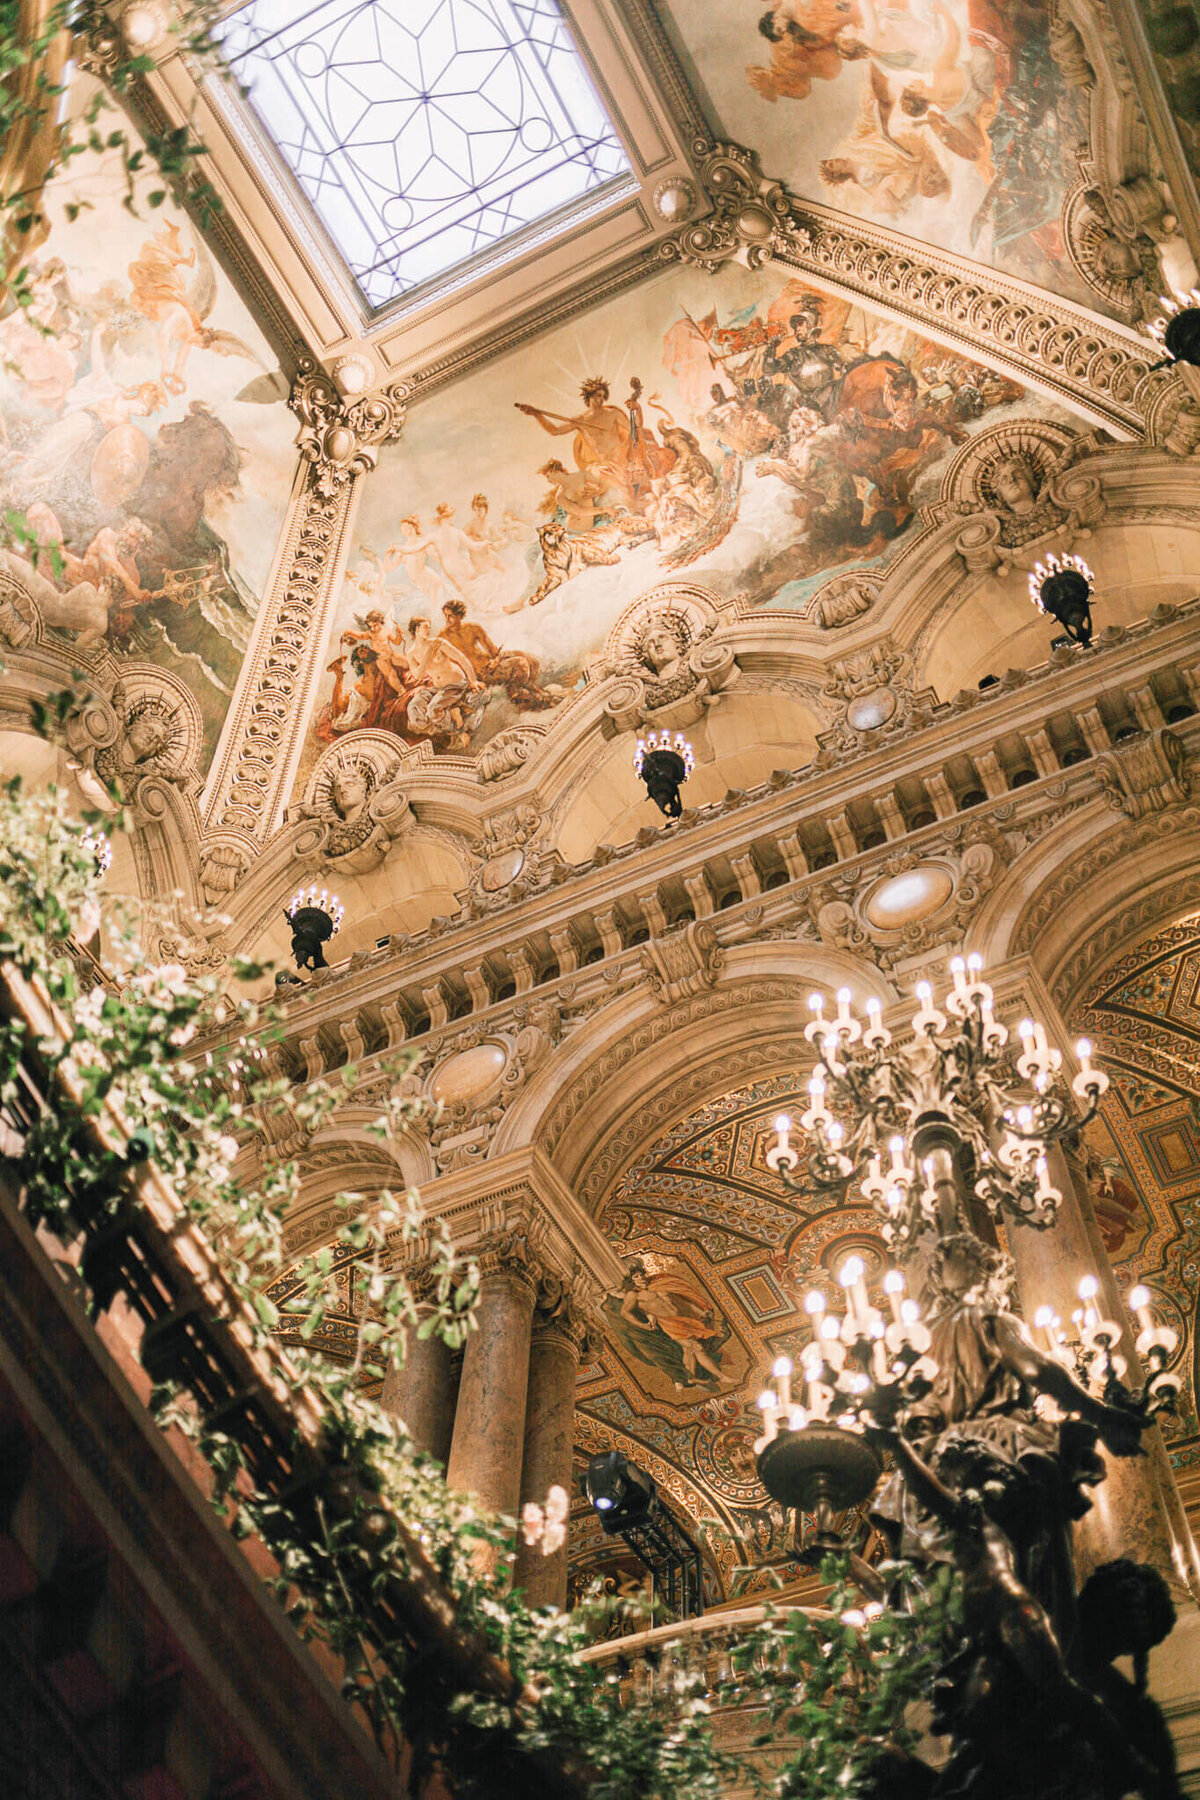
(339, 437)
(1145, 775)
(751, 215)
(683, 962)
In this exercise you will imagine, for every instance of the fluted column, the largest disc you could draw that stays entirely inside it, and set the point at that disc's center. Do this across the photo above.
(549, 1440)
(489, 1423)
(423, 1393)
(1131, 1513)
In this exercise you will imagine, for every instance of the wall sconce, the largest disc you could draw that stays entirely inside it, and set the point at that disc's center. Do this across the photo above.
(314, 918)
(1062, 588)
(664, 762)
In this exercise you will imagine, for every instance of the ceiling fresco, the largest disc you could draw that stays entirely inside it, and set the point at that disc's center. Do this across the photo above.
(741, 428)
(1143, 1014)
(947, 120)
(143, 436)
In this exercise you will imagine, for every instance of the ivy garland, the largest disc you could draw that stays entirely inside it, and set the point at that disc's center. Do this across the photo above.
(833, 1695)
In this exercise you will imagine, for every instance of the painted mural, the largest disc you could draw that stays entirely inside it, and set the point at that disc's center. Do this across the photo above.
(142, 436)
(743, 428)
(946, 119)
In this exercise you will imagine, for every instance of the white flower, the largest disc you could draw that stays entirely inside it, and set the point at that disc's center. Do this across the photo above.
(182, 1034)
(218, 1172)
(533, 1522)
(227, 1148)
(174, 977)
(558, 1505)
(89, 918)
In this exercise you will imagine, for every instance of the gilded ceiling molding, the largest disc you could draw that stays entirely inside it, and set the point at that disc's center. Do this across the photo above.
(339, 440)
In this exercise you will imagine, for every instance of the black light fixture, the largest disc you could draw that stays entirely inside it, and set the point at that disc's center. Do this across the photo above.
(625, 1500)
(1178, 328)
(664, 761)
(315, 917)
(1062, 588)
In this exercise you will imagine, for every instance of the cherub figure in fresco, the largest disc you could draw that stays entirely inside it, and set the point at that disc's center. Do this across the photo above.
(890, 168)
(803, 39)
(679, 1324)
(601, 437)
(377, 655)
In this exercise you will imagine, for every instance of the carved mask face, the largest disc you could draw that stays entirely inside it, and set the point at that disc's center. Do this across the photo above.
(659, 649)
(1014, 486)
(347, 792)
(147, 735)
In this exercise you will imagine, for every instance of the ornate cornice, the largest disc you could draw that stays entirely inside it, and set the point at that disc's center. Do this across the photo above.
(751, 218)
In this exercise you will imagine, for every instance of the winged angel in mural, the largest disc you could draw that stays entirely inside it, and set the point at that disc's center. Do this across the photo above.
(958, 106)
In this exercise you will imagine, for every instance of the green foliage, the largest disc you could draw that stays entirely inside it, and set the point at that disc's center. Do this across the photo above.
(125, 1059)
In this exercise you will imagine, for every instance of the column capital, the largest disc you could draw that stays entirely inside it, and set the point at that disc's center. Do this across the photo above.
(506, 1258)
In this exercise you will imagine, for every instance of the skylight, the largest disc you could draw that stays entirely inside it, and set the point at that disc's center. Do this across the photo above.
(425, 132)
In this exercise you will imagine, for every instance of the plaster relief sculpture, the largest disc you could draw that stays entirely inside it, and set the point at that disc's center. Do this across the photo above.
(921, 900)
(669, 668)
(871, 696)
(354, 795)
(157, 739)
(1015, 486)
(1146, 775)
(842, 600)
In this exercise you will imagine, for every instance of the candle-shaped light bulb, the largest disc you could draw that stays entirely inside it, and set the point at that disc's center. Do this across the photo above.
(816, 1004)
(975, 963)
(1139, 1300)
(783, 1124)
(958, 969)
(852, 1276)
(781, 1369)
(797, 1418)
(768, 1405)
(831, 1327)
(1025, 1117)
(814, 1303)
(835, 1132)
(1043, 1317)
(894, 1199)
(843, 1005)
(910, 1312)
(897, 1146)
(1088, 1288)
(893, 1287)
(924, 992)
(1025, 1033)
(874, 1008)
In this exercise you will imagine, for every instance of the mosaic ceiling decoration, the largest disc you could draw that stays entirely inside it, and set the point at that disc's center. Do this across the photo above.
(1143, 1014)
(718, 1260)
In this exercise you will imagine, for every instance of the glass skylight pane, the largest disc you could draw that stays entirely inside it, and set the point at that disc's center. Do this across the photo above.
(424, 131)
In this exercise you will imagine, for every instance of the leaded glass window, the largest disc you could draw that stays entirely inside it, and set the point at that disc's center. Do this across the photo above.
(425, 132)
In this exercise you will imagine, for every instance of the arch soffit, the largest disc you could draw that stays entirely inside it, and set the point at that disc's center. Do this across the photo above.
(636, 1065)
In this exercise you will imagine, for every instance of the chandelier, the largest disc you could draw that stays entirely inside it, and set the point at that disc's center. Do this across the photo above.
(991, 1424)
(1177, 328)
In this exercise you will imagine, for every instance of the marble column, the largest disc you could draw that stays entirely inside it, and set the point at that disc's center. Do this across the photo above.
(489, 1422)
(549, 1441)
(423, 1393)
(1131, 1513)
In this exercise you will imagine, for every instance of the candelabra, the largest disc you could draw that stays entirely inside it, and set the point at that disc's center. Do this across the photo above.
(992, 1423)
(932, 1102)
(314, 917)
(1062, 588)
(664, 762)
